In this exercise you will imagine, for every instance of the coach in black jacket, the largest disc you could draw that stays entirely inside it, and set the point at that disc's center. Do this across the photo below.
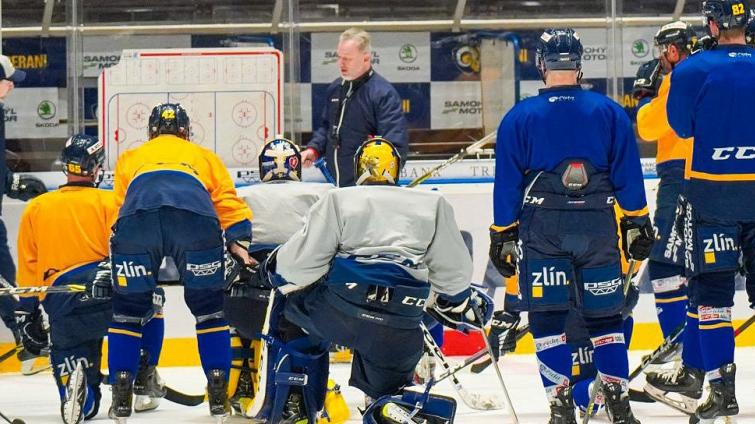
(360, 104)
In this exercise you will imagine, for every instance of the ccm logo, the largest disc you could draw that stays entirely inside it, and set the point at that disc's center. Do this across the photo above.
(739, 152)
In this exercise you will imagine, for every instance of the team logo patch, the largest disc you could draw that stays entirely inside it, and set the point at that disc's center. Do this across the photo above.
(203, 270)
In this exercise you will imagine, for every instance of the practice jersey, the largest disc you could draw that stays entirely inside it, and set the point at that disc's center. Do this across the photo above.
(171, 171)
(710, 98)
(62, 230)
(280, 208)
(652, 125)
(561, 123)
(375, 232)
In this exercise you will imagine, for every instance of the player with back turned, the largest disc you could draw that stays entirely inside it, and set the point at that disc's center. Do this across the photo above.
(710, 99)
(555, 188)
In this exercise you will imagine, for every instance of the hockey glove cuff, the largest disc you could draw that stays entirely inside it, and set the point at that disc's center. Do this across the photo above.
(503, 248)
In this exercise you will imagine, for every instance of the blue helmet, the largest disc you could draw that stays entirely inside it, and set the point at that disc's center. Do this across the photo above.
(727, 14)
(559, 49)
(169, 118)
(280, 160)
(82, 155)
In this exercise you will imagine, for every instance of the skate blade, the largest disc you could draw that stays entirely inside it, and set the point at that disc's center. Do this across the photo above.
(680, 402)
(717, 420)
(144, 403)
(71, 409)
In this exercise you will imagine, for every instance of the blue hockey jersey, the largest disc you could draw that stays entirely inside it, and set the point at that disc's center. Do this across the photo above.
(562, 123)
(710, 99)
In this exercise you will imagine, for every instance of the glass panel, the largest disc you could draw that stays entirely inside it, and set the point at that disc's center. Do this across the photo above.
(453, 86)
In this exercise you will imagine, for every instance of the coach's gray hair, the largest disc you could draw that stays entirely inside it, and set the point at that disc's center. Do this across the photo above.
(359, 35)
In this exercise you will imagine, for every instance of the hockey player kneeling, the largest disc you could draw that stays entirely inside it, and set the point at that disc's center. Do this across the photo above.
(280, 204)
(359, 274)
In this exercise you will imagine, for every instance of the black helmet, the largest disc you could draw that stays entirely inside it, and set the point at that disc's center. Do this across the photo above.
(559, 49)
(678, 33)
(169, 118)
(82, 155)
(727, 14)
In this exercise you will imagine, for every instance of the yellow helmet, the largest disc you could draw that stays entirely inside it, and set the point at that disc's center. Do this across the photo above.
(377, 162)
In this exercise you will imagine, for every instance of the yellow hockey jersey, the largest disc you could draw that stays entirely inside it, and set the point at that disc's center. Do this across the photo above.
(61, 230)
(170, 171)
(652, 125)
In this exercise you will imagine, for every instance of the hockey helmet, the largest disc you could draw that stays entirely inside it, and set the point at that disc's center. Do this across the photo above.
(559, 49)
(280, 160)
(83, 155)
(727, 14)
(169, 118)
(677, 33)
(377, 161)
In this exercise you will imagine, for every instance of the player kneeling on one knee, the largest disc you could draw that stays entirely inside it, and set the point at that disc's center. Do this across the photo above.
(53, 251)
(358, 274)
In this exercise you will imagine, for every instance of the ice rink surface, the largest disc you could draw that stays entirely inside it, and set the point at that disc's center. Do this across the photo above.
(35, 399)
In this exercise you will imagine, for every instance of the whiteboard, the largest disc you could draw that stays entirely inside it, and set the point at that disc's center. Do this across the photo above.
(233, 96)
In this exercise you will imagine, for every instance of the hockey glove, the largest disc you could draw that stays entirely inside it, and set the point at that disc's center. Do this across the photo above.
(502, 336)
(463, 314)
(648, 80)
(31, 329)
(102, 284)
(23, 187)
(637, 239)
(241, 280)
(503, 248)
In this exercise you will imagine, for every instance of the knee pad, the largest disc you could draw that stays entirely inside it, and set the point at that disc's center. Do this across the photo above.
(715, 289)
(133, 308)
(204, 304)
(672, 286)
(431, 408)
(296, 365)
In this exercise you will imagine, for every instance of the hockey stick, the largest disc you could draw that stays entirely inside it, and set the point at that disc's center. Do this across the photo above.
(472, 400)
(520, 333)
(320, 164)
(9, 353)
(453, 159)
(597, 382)
(479, 316)
(36, 291)
(173, 395)
(482, 352)
(13, 421)
(677, 404)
